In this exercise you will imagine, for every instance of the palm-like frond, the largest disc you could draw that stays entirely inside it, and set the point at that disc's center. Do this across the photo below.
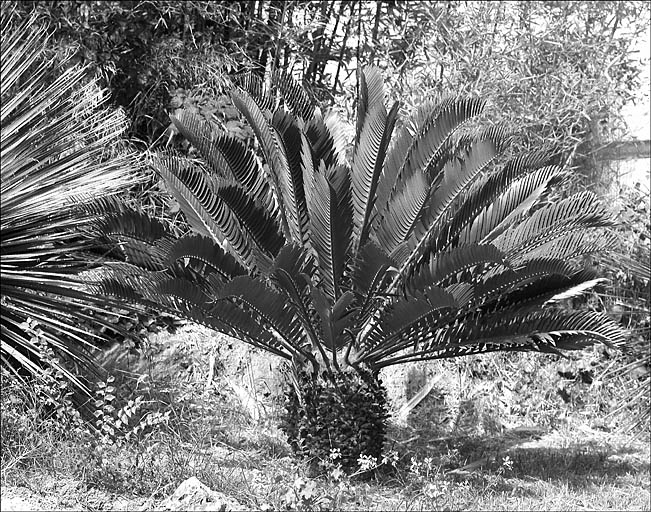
(59, 150)
(420, 249)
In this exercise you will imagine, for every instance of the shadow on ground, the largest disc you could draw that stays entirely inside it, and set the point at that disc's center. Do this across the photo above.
(533, 454)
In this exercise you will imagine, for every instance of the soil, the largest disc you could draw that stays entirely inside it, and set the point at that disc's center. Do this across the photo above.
(191, 495)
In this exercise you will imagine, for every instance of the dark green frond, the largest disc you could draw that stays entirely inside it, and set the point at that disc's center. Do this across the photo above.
(457, 175)
(577, 212)
(181, 290)
(370, 269)
(421, 143)
(370, 94)
(325, 141)
(256, 89)
(368, 160)
(499, 284)
(295, 96)
(208, 252)
(574, 244)
(293, 191)
(192, 190)
(331, 227)
(143, 241)
(546, 288)
(403, 212)
(269, 308)
(405, 316)
(542, 331)
(490, 200)
(274, 155)
(239, 215)
(446, 265)
(228, 156)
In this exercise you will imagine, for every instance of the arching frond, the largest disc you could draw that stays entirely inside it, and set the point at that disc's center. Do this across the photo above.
(206, 251)
(293, 192)
(580, 211)
(543, 331)
(448, 264)
(420, 143)
(331, 227)
(294, 96)
(226, 155)
(368, 160)
(457, 175)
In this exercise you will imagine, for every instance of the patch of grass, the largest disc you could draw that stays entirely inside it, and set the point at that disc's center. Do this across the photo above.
(206, 431)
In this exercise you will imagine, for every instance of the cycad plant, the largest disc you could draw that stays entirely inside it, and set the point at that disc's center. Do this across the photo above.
(55, 145)
(420, 246)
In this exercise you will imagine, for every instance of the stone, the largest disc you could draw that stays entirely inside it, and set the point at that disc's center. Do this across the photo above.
(193, 495)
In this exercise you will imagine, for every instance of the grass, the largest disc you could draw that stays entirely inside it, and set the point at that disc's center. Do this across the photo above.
(203, 427)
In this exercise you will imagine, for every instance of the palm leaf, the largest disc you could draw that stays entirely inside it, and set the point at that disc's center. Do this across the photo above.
(543, 331)
(577, 212)
(143, 241)
(368, 160)
(59, 147)
(293, 94)
(293, 190)
(205, 250)
(494, 197)
(276, 159)
(269, 308)
(226, 155)
(326, 140)
(448, 264)
(331, 227)
(256, 89)
(457, 175)
(421, 143)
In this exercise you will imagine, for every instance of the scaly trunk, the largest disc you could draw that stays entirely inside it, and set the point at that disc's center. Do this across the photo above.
(344, 410)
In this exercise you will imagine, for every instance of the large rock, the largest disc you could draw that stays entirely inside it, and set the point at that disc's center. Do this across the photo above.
(193, 495)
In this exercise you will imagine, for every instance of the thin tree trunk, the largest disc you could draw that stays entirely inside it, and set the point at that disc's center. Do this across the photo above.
(376, 27)
(318, 42)
(343, 46)
(279, 37)
(324, 62)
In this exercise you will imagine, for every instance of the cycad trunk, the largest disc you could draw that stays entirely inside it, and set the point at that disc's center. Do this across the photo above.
(344, 410)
